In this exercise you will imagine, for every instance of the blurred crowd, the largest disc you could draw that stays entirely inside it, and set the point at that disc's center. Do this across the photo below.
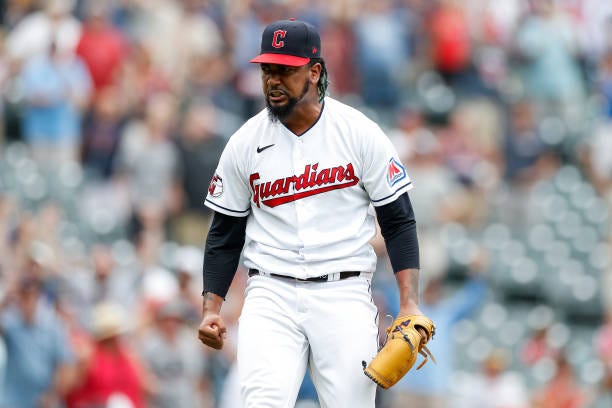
(114, 114)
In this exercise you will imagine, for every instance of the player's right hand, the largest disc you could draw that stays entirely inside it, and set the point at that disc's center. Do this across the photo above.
(212, 331)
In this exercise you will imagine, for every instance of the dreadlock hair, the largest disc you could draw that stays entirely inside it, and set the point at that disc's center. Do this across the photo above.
(323, 78)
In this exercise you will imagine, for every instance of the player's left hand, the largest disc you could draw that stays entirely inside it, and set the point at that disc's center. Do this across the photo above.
(406, 339)
(413, 310)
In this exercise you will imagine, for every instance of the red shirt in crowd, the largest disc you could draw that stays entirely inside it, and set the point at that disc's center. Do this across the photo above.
(111, 371)
(103, 50)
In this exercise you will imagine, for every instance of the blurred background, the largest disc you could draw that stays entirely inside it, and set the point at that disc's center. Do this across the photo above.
(114, 114)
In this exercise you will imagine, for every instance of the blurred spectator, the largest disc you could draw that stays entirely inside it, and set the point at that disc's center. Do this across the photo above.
(597, 160)
(35, 33)
(5, 69)
(45, 258)
(604, 395)
(538, 346)
(563, 390)
(101, 282)
(20, 234)
(102, 130)
(382, 39)
(546, 43)
(604, 80)
(210, 80)
(430, 386)
(148, 245)
(7, 215)
(41, 262)
(199, 149)
(188, 263)
(597, 154)
(39, 359)
(209, 69)
(495, 386)
(140, 79)
(595, 21)
(523, 144)
(11, 12)
(101, 46)
(110, 371)
(606, 284)
(56, 88)
(158, 287)
(450, 44)
(471, 142)
(175, 359)
(492, 25)
(419, 147)
(162, 24)
(603, 348)
(603, 340)
(339, 40)
(148, 161)
(410, 134)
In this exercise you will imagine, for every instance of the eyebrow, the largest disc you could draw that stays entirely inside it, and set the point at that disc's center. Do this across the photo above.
(279, 67)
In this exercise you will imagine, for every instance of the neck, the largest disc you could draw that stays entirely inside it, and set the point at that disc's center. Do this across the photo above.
(303, 117)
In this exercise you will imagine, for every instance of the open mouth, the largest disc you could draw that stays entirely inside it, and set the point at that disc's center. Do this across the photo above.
(276, 95)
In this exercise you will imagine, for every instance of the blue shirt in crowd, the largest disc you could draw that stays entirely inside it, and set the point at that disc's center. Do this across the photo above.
(50, 87)
(33, 353)
(434, 379)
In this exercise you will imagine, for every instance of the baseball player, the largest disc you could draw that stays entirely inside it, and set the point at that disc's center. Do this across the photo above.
(298, 190)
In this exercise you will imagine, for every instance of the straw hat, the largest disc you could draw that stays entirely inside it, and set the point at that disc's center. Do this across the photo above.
(108, 320)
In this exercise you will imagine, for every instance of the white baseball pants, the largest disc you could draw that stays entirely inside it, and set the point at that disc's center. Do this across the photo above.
(287, 326)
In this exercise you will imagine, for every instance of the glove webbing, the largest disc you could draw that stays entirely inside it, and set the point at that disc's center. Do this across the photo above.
(424, 351)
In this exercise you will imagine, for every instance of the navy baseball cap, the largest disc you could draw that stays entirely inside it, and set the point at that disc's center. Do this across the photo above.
(289, 42)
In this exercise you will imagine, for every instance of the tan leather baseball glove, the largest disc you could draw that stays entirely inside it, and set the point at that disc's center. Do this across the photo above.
(400, 350)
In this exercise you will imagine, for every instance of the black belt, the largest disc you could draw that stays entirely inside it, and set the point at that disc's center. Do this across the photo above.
(324, 278)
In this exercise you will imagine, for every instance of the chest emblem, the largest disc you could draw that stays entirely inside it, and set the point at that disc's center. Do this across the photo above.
(309, 183)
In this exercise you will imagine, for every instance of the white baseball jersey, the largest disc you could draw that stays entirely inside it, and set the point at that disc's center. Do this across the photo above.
(308, 197)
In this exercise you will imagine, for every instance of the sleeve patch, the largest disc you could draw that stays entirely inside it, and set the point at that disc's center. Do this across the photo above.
(216, 186)
(395, 172)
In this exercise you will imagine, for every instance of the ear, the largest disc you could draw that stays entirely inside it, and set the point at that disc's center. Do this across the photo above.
(315, 73)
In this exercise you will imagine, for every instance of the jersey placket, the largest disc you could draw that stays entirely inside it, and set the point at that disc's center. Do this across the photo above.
(299, 163)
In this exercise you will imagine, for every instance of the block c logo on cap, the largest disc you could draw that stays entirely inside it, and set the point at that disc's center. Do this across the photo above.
(275, 38)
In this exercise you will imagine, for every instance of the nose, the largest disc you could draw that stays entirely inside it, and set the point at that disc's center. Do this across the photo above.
(272, 79)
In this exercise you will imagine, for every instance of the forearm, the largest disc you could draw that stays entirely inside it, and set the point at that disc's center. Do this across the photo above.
(211, 303)
(408, 285)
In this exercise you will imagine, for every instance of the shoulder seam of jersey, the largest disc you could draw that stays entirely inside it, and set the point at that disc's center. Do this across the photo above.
(392, 194)
(227, 209)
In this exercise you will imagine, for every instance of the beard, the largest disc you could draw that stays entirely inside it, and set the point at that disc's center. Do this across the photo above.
(278, 113)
